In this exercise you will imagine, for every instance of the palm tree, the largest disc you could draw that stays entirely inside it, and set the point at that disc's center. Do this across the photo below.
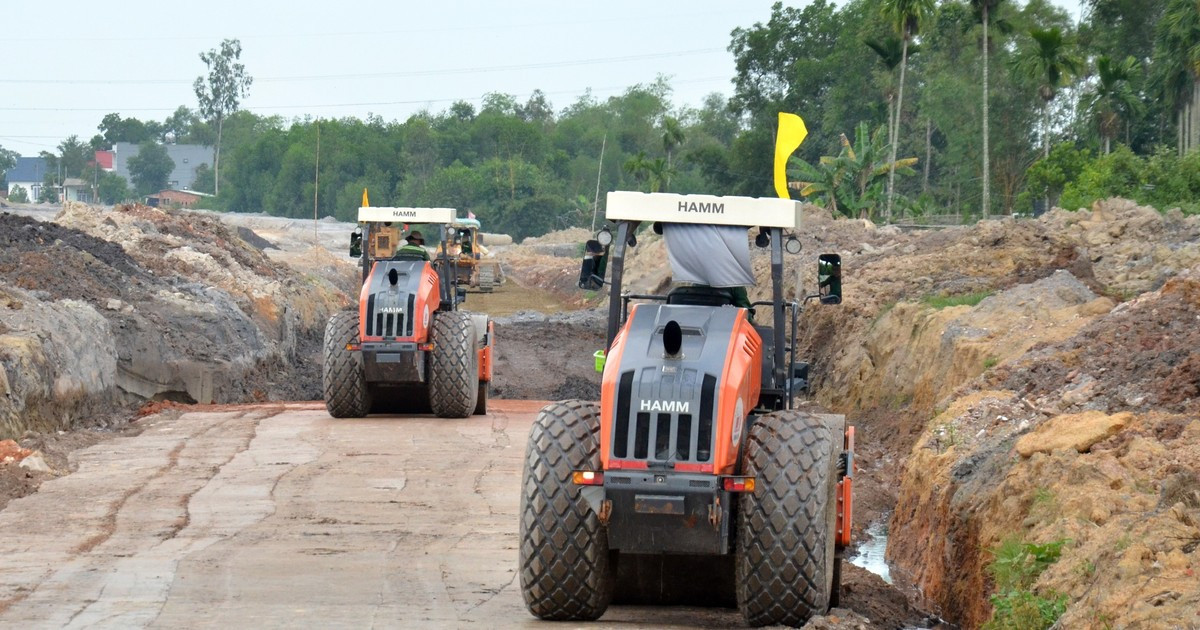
(851, 181)
(984, 7)
(906, 16)
(653, 172)
(1050, 61)
(891, 52)
(672, 137)
(1113, 96)
(1177, 65)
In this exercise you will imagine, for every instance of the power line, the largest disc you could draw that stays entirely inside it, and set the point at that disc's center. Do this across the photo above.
(380, 75)
(674, 18)
(325, 105)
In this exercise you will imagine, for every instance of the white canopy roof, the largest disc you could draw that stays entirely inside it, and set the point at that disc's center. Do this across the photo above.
(406, 215)
(703, 209)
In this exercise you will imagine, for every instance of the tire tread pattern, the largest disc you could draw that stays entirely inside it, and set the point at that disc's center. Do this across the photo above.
(453, 368)
(566, 573)
(344, 384)
(784, 546)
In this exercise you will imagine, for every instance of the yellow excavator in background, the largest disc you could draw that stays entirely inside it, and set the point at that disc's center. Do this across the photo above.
(464, 246)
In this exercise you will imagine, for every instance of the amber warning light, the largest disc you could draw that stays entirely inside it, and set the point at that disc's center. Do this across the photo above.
(587, 478)
(739, 484)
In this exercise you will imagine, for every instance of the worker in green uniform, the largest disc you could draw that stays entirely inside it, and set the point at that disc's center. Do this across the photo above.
(414, 247)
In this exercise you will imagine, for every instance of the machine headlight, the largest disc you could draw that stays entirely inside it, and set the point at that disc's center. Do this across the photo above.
(604, 237)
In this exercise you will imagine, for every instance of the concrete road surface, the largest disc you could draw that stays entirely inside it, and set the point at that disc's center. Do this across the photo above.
(265, 516)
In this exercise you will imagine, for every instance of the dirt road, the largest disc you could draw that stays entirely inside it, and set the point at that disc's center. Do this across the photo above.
(278, 515)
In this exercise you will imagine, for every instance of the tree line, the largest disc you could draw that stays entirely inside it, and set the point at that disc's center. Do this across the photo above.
(914, 107)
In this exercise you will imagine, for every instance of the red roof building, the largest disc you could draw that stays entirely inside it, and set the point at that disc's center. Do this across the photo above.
(105, 160)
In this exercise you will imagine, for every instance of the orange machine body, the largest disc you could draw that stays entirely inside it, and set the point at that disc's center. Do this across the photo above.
(738, 386)
(486, 367)
(426, 300)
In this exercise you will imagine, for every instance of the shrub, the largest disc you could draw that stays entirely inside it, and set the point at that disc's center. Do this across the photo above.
(1015, 567)
(939, 302)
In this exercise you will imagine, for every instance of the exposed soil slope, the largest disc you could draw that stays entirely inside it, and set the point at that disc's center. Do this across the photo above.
(101, 308)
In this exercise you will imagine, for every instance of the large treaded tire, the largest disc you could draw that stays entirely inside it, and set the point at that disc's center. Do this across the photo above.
(453, 365)
(345, 385)
(566, 571)
(785, 536)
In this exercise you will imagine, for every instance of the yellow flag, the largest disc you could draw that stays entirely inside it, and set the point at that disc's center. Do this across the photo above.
(791, 133)
(366, 203)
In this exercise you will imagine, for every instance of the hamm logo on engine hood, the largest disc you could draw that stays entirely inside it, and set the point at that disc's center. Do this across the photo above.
(669, 406)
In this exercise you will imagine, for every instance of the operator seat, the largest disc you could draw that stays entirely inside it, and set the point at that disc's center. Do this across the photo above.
(700, 295)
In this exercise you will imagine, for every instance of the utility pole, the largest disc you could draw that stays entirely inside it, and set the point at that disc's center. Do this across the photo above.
(316, 184)
(599, 170)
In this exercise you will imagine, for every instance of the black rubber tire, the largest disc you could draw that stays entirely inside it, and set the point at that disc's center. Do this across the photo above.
(453, 365)
(784, 568)
(566, 569)
(481, 400)
(345, 385)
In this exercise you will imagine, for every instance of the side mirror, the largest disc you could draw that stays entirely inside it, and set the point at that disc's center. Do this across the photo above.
(591, 271)
(829, 278)
(800, 378)
(356, 243)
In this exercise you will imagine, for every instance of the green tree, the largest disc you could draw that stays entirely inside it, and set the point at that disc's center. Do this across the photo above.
(852, 181)
(1177, 68)
(220, 93)
(18, 195)
(115, 129)
(179, 126)
(787, 64)
(906, 17)
(1113, 96)
(653, 172)
(1049, 60)
(8, 159)
(150, 168)
(53, 165)
(1049, 175)
(112, 188)
(74, 156)
(672, 136)
(204, 179)
(49, 192)
(890, 51)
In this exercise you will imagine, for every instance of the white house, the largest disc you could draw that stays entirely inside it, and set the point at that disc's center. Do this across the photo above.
(29, 174)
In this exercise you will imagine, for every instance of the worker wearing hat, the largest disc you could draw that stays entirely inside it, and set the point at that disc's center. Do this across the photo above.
(414, 247)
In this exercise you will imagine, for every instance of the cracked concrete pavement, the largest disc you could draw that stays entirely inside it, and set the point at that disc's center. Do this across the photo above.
(277, 515)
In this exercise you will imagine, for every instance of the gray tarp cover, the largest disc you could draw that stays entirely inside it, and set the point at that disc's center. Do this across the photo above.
(715, 255)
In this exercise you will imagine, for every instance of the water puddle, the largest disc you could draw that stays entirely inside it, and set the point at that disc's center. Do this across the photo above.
(870, 553)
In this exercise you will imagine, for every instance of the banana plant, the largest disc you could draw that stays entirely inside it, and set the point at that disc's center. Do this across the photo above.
(851, 183)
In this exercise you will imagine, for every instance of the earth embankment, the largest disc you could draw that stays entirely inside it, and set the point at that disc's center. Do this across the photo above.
(102, 308)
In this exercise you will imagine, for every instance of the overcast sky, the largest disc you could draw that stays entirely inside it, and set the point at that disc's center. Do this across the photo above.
(68, 67)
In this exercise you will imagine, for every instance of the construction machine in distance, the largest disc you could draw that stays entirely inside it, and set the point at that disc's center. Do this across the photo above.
(467, 253)
(407, 347)
(695, 479)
